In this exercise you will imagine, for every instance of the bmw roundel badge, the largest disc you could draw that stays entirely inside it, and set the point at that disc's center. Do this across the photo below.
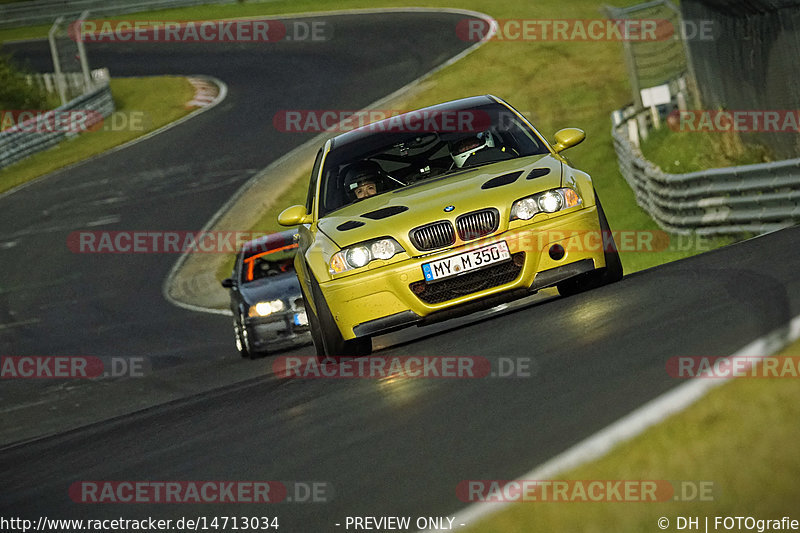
(449, 208)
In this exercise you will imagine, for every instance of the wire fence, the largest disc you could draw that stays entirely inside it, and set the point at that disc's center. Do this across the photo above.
(751, 63)
(654, 62)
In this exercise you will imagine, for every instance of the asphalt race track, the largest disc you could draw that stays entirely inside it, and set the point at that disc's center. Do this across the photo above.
(89, 304)
(382, 447)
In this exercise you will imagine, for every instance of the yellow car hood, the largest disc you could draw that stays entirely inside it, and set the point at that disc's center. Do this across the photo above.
(487, 186)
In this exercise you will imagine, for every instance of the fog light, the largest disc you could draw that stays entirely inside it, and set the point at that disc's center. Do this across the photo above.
(557, 252)
(519, 259)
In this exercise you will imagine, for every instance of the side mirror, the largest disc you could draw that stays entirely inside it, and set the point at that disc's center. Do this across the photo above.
(228, 283)
(294, 216)
(567, 138)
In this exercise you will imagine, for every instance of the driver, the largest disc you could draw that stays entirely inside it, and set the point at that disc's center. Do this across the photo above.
(463, 149)
(362, 180)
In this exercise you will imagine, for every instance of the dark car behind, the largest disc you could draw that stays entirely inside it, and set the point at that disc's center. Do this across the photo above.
(266, 301)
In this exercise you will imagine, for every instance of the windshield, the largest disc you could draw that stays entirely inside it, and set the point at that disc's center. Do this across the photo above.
(265, 264)
(385, 161)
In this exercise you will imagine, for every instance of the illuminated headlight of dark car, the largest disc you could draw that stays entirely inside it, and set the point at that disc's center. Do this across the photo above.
(360, 255)
(544, 202)
(266, 308)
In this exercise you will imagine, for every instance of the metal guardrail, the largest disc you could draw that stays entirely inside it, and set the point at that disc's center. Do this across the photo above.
(734, 200)
(29, 138)
(33, 12)
(750, 198)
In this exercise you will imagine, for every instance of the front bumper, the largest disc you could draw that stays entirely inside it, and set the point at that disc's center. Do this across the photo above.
(381, 299)
(278, 331)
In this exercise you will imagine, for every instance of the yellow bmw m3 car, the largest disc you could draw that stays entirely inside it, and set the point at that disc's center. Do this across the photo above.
(438, 213)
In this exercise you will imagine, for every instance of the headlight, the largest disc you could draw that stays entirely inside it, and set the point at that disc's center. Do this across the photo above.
(544, 202)
(384, 248)
(524, 209)
(266, 308)
(550, 202)
(360, 255)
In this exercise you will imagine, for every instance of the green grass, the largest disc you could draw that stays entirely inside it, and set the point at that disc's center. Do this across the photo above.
(680, 152)
(740, 437)
(152, 102)
(27, 32)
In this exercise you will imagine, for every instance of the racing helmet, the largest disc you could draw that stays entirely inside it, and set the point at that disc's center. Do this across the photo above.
(361, 173)
(462, 149)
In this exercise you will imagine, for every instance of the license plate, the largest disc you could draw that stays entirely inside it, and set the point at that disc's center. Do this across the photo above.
(466, 262)
(300, 319)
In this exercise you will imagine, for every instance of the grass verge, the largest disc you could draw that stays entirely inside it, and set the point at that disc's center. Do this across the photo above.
(737, 440)
(143, 105)
(680, 152)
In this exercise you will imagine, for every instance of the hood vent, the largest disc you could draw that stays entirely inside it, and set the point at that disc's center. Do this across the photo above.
(385, 212)
(538, 173)
(350, 224)
(499, 181)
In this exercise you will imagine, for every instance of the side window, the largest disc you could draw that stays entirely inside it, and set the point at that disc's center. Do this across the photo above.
(312, 185)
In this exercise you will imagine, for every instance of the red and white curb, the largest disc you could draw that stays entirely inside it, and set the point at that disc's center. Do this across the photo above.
(205, 92)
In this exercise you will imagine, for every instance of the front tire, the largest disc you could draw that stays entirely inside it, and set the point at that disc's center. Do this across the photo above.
(242, 339)
(314, 326)
(611, 273)
(328, 341)
(241, 343)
